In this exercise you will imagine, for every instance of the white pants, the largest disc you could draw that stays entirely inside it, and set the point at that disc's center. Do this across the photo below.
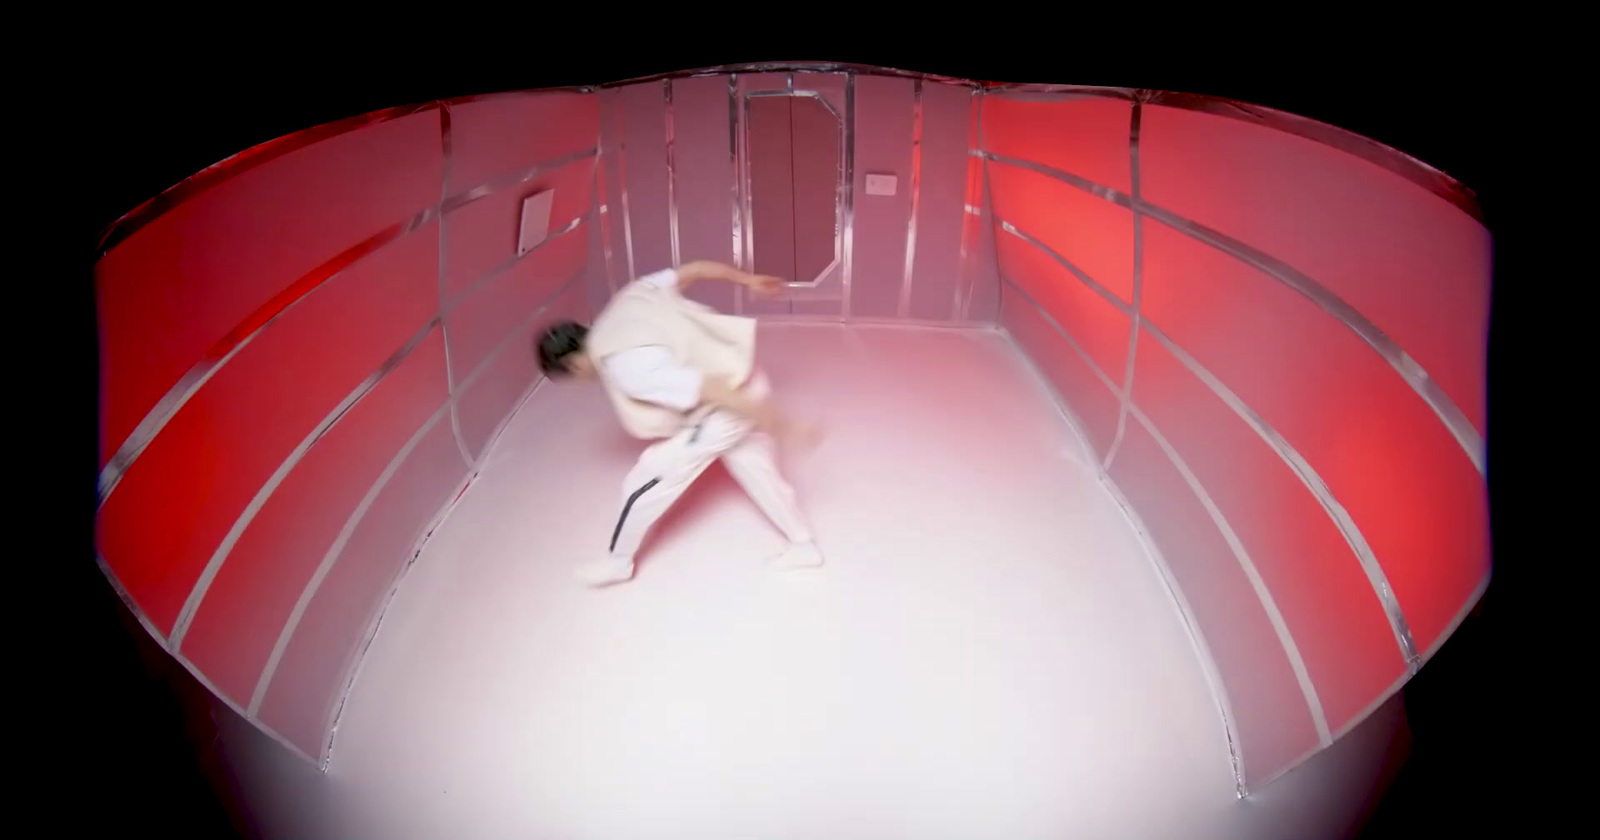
(668, 467)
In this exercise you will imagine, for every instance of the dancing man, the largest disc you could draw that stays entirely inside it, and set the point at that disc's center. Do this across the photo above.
(684, 376)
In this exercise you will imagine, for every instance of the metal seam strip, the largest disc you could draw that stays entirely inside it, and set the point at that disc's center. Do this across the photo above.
(733, 158)
(986, 200)
(672, 175)
(599, 203)
(205, 682)
(849, 191)
(1138, 286)
(229, 345)
(454, 303)
(507, 181)
(1296, 462)
(1208, 667)
(622, 185)
(331, 556)
(1319, 490)
(446, 139)
(968, 222)
(1387, 348)
(1269, 604)
(916, 196)
(433, 526)
(197, 592)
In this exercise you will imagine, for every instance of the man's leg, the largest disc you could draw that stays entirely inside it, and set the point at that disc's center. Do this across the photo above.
(753, 463)
(663, 473)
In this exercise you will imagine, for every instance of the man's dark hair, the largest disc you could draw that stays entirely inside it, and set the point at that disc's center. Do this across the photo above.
(556, 343)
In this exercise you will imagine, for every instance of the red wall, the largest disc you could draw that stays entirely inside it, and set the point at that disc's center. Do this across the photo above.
(307, 351)
(1290, 476)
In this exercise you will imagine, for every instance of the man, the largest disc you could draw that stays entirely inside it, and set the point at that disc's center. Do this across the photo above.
(685, 376)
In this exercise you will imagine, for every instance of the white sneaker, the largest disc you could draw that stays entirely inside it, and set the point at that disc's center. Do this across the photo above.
(605, 571)
(798, 556)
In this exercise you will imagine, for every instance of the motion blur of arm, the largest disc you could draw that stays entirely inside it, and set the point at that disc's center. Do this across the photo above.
(692, 272)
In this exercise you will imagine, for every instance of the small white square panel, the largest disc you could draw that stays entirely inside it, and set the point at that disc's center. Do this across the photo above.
(880, 184)
(535, 220)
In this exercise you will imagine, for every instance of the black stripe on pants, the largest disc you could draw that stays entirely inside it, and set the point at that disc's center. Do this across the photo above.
(617, 532)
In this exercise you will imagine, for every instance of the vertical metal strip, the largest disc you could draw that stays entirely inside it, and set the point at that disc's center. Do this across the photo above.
(602, 202)
(849, 187)
(309, 591)
(970, 201)
(734, 178)
(672, 175)
(446, 142)
(1138, 285)
(622, 184)
(984, 200)
(916, 190)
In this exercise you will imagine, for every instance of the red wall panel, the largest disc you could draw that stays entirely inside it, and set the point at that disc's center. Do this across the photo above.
(946, 113)
(195, 272)
(502, 134)
(1094, 234)
(317, 664)
(1085, 394)
(1414, 264)
(1086, 137)
(480, 322)
(1410, 488)
(1090, 319)
(1327, 603)
(507, 374)
(703, 179)
(642, 112)
(884, 119)
(252, 596)
(177, 502)
(481, 237)
(1270, 716)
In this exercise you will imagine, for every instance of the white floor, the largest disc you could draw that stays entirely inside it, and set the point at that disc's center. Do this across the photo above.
(987, 654)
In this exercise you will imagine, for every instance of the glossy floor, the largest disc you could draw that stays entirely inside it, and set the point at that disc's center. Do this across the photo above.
(988, 652)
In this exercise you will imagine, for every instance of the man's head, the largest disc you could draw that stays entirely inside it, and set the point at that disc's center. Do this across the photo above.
(561, 352)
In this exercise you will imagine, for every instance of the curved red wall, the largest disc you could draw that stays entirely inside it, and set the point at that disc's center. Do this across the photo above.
(1271, 334)
(307, 350)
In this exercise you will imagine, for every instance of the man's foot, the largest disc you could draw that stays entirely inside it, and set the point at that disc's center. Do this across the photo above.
(798, 556)
(604, 572)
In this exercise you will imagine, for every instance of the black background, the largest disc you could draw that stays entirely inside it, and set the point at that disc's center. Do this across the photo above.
(166, 104)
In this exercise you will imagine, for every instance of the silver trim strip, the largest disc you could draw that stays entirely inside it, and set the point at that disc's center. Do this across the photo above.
(127, 600)
(599, 188)
(331, 556)
(672, 175)
(972, 215)
(505, 182)
(622, 184)
(985, 200)
(1138, 288)
(849, 191)
(1269, 604)
(1302, 468)
(446, 136)
(916, 197)
(733, 157)
(1413, 373)
(197, 592)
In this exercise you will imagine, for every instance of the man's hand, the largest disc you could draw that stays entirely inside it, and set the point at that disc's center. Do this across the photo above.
(764, 285)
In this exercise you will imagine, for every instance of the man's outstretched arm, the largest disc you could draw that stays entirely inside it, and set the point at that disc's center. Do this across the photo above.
(692, 272)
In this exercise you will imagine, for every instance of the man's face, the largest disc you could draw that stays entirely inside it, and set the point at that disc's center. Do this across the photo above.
(580, 366)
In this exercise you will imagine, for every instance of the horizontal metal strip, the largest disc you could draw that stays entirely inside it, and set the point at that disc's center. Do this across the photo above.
(1105, 380)
(526, 322)
(794, 67)
(127, 600)
(1291, 456)
(507, 181)
(1386, 347)
(136, 219)
(229, 345)
(197, 594)
(309, 591)
(494, 273)
(1111, 297)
